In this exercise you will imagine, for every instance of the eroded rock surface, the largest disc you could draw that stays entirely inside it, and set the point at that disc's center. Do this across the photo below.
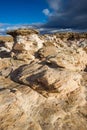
(49, 90)
(26, 43)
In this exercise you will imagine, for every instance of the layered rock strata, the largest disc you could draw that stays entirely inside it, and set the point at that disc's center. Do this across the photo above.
(26, 43)
(49, 90)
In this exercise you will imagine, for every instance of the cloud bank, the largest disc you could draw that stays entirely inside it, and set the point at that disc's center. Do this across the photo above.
(67, 14)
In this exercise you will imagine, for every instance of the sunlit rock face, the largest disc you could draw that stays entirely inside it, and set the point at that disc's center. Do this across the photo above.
(43, 83)
(27, 42)
(68, 50)
(6, 46)
(68, 58)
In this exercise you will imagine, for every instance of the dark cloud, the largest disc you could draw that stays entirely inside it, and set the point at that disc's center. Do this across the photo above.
(67, 14)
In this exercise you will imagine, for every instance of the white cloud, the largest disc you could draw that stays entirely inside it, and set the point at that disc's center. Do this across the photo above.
(2, 29)
(46, 12)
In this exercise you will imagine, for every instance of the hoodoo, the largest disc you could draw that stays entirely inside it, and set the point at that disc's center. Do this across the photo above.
(26, 43)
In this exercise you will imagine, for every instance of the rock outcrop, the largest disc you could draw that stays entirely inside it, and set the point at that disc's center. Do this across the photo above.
(66, 57)
(26, 43)
(43, 82)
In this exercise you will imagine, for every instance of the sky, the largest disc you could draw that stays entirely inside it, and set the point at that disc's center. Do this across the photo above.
(22, 11)
(45, 15)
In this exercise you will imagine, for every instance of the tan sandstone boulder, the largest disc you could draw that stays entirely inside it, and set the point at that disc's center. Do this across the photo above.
(72, 58)
(26, 42)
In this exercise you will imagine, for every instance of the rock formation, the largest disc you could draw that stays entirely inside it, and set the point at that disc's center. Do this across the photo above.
(43, 82)
(26, 43)
(6, 44)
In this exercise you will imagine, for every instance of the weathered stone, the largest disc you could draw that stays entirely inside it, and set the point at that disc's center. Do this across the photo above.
(22, 32)
(46, 78)
(22, 108)
(43, 85)
(67, 57)
(27, 42)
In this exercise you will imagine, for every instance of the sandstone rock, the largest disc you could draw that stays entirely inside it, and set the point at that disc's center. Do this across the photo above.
(22, 32)
(46, 78)
(4, 63)
(4, 49)
(67, 57)
(6, 46)
(7, 65)
(44, 85)
(27, 42)
(9, 45)
(73, 60)
(48, 50)
(25, 109)
(6, 43)
(14, 108)
(71, 35)
(6, 39)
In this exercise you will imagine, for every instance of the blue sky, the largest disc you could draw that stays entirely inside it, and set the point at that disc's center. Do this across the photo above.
(45, 15)
(22, 11)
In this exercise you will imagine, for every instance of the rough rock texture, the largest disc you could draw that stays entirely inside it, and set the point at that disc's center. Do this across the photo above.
(48, 78)
(22, 32)
(69, 58)
(26, 43)
(49, 91)
(6, 41)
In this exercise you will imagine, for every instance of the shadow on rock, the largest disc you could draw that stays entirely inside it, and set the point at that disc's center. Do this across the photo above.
(4, 54)
(14, 75)
(85, 69)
